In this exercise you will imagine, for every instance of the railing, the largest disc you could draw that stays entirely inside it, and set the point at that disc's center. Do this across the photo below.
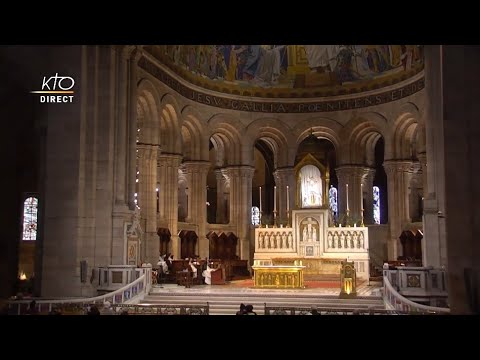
(144, 309)
(132, 292)
(292, 310)
(400, 303)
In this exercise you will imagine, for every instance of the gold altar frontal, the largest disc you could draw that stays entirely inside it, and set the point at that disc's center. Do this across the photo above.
(278, 277)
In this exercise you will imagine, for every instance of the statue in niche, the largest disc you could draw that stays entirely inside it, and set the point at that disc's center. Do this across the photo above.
(335, 240)
(340, 240)
(348, 241)
(311, 186)
(329, 240)
(267, 240)
(290, 240)
(304, 237)
(261, 243)
(355, 240)
(314, 234)
(360, 240)
(284, 241)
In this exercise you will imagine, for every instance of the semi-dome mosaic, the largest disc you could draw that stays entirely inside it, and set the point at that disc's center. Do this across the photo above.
(277, 71)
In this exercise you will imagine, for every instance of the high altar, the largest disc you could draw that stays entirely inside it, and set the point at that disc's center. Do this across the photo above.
(321, 248)
(312, 237)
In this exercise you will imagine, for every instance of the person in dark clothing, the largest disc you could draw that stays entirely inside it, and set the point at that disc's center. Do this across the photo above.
(93, 311)
(249, 310)
(242, 310)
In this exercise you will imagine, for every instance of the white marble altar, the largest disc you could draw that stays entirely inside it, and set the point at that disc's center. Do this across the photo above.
(311, 238)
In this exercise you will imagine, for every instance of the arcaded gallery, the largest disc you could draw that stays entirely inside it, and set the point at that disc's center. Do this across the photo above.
(297, 179)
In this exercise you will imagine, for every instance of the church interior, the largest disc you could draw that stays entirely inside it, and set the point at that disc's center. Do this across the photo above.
(271, 167)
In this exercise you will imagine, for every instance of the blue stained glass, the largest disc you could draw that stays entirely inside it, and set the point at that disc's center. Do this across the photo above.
(376, 205)
(30, 216)
(255, 216)
(332, 199)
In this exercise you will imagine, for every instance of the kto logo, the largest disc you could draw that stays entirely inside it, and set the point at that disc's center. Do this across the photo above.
(59, 85)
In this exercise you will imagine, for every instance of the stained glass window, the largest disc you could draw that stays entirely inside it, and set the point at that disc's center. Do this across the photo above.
(332, 199)
(30, 217)
(255, 216)
(376, 205)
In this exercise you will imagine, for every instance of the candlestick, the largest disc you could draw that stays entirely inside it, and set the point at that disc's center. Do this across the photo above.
(361, 197)
(260, 199)
(274, 198)
(288, 201)
(347, 199)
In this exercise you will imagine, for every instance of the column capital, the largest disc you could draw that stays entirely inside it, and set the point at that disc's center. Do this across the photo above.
(240, 171)
(196, 166)
(147, 151)
(284, 171)
(350, 170)
(396, 166)
(369, 171)
(422, 157)
(165, 159)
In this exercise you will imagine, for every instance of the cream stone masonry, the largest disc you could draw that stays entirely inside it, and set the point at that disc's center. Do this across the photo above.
(197, 201)
(124, 118)
(310, 237)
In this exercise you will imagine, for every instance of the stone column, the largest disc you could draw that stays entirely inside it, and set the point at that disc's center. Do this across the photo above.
(241, 207)
(457, 119)
(220, 216)
(197, 185)
(147, 165)
(168, 197)
(284, 177)
(434, 242)
(132, 125)
(351, 175)
(367, 181)
(125, 149)
(398, 178)
(422, 158)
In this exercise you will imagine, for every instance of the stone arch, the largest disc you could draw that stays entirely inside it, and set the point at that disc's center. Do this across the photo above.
(170, 125)
(148, 118)
(360, 136)
(321, 127)
(275, 134)
(195, 142)
(405, 136)
(225, 135)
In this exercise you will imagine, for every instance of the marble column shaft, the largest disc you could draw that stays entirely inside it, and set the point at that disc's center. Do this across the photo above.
(168, 165)
(197, 201)
(221, 215)
(284, 177)
(399, 173)
(241, 206)
(147, 161)
(351, 175)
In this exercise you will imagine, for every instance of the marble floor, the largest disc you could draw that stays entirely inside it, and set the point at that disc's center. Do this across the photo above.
(364, 290)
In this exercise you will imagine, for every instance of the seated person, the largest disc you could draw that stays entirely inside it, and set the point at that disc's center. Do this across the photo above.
(163, 264)
(207, 274)
(193, 268)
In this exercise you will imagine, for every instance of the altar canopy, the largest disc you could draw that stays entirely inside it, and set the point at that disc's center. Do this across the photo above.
(311, 186)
